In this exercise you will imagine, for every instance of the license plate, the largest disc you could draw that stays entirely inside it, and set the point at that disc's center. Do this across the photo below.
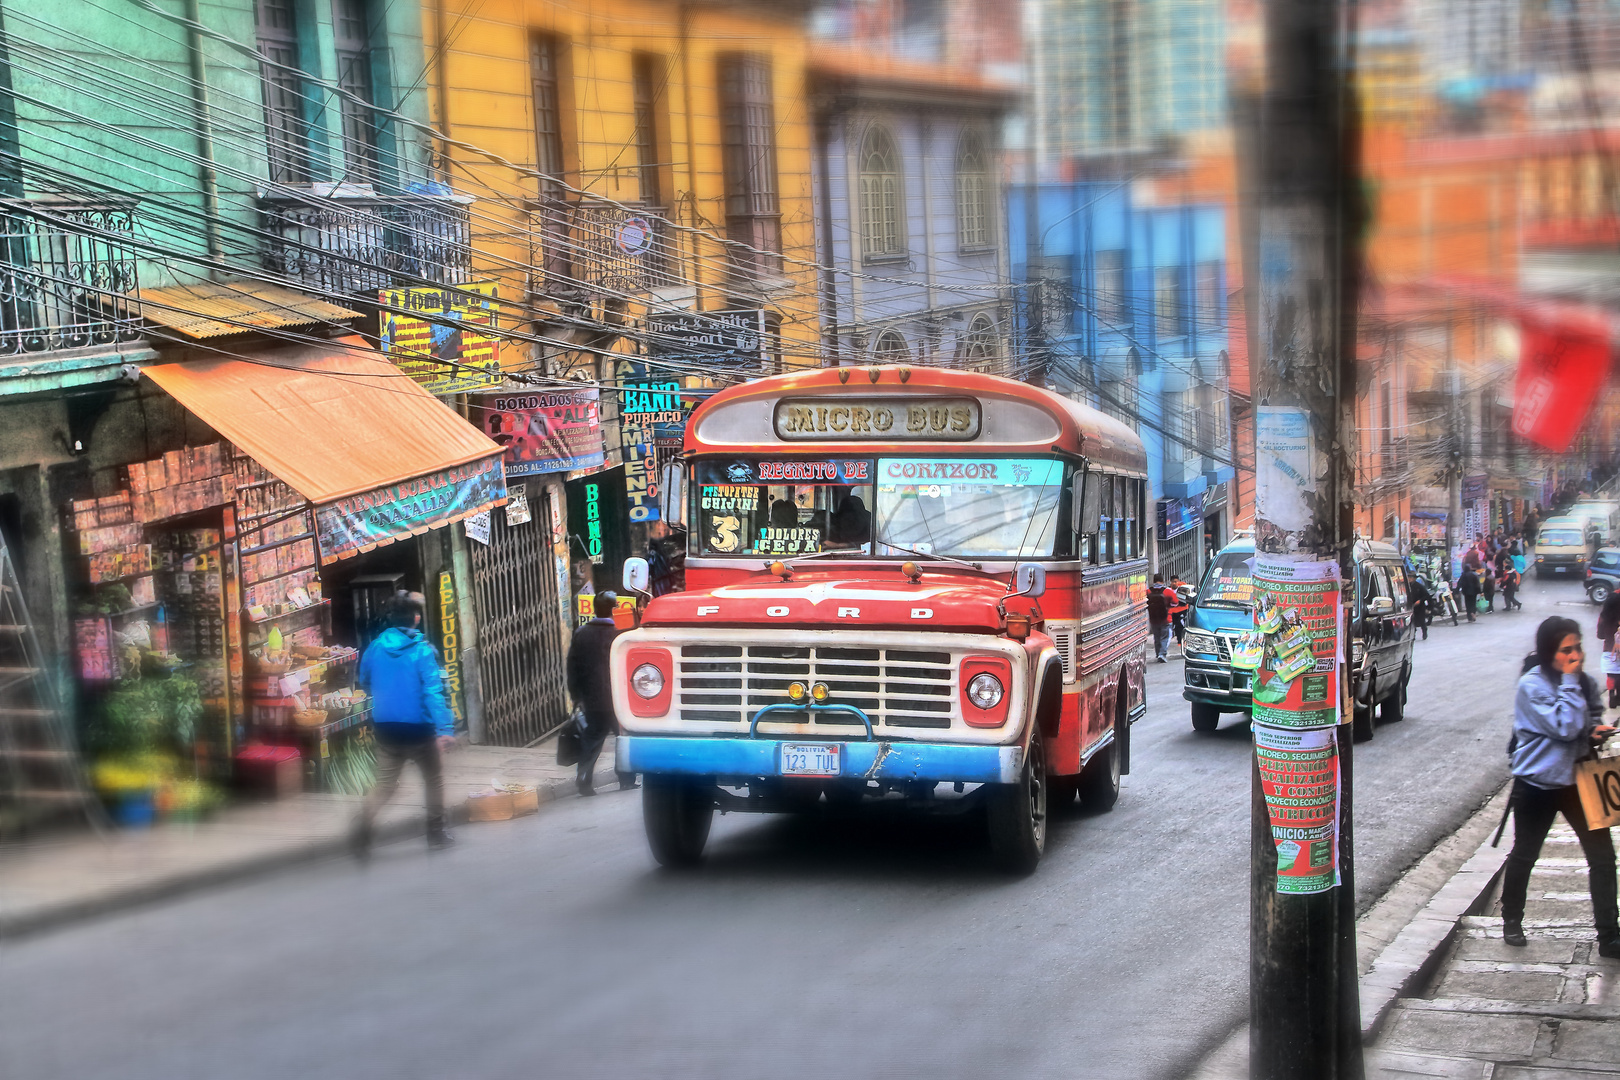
(809, 759)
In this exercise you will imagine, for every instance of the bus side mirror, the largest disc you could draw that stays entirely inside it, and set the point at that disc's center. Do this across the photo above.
(1031, 580)
(672, 495)
(1087, 503)
(635, 575)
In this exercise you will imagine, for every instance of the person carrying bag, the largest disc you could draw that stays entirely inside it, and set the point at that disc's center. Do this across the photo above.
(1555, 724)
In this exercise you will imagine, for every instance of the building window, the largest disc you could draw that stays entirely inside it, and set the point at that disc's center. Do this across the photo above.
(972, 192)
(882, 227)
(647, 75)
(1111, 288)
(1167, 301)
(545, 72)
(748, 137)
(286, 134)
(981, 349)
(351, 29)
(890, 348)
(1209, 294)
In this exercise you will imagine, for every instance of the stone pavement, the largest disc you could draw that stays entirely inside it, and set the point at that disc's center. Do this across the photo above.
(74, 875)
(1550, 1010)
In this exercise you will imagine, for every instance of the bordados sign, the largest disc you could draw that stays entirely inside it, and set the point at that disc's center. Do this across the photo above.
(885, 419)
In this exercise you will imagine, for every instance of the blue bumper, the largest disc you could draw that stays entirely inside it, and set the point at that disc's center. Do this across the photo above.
(743, 757)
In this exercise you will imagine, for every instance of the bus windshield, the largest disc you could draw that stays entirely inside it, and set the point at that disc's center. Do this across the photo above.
(1227, 583)
(960, 507)
(969, 507)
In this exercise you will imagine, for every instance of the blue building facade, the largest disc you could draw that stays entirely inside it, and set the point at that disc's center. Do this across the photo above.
(1129, 304)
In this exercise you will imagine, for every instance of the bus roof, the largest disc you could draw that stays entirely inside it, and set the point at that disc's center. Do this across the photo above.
(907, 410)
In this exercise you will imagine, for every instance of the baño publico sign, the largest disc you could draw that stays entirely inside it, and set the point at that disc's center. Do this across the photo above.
(885, 419)
(361, 522)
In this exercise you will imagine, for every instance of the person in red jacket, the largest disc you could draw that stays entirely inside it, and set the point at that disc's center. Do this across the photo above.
(1178, 606)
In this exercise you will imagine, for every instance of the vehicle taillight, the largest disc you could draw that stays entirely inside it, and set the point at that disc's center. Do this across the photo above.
(986, 690)
(650, 676)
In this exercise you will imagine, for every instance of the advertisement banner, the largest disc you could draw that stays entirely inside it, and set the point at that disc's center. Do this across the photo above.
(433, 335)
(1284, 466)
(381, 516)
(1297, 607)
(640, 448)
(450, 646)
(546, 432)
(1299, 774)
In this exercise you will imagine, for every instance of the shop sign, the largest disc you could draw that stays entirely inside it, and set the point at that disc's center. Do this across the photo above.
(711, 343)
(380, 516)
(434, 335)
(1475, 487)
(1428, 525)
(477, 526)
(450, 644)
(640, 452)
(1215, 497)
(546, 432)
(1177, 516)
(885, 419)
(517, 505)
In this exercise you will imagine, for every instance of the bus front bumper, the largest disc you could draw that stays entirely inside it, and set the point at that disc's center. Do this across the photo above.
(859, 759)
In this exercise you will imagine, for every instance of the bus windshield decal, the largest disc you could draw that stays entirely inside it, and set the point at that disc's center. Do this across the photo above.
(1019, 472)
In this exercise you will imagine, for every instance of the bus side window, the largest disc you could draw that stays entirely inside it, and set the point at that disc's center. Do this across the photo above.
(1106, 554)
(1120, 511)
(1132, 550)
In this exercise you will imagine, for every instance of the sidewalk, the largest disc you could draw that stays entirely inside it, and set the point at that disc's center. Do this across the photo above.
(78, 875)
(1442, 996)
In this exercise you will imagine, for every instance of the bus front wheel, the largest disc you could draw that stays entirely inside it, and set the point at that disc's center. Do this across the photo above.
(677, 813)
(1017, 814)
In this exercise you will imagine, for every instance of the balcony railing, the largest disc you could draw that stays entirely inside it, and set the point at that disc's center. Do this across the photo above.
(357, 245)
(66, 268)
(583, 248)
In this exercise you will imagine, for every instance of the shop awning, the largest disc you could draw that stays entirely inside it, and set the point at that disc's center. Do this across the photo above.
(378, 456)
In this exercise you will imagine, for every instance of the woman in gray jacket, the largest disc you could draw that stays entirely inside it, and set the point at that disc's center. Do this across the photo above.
(1554, 725)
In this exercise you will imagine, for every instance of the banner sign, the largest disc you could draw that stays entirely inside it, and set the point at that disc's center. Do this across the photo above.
(1299, 774)
(381, 516)
(437, 347)
(450, 643)
(732, 341)
(1475, 487)
(1563, 361)
(546, 432)
(1176, 516)
(1428, 525)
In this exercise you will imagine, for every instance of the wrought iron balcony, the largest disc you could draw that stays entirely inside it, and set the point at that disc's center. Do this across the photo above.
(358, 244)
(68, 267)
(583, 248)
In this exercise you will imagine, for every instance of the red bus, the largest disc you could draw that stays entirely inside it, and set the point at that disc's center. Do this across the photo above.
(900, 583)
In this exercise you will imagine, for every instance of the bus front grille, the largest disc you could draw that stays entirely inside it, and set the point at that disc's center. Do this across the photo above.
(910, 688)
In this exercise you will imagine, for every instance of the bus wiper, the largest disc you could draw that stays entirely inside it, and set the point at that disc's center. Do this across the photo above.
(938, 558)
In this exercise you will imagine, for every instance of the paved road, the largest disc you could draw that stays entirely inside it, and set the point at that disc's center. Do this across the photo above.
(553, 947)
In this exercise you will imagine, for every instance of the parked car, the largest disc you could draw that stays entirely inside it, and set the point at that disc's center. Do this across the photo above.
(1564, 546)
(1603, 576)
(1381, 630)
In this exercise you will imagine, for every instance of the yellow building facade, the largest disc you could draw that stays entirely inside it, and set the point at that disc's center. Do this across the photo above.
(630, 157)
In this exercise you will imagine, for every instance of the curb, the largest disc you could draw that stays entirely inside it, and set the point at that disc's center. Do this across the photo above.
(1408, 962)
(28, 924)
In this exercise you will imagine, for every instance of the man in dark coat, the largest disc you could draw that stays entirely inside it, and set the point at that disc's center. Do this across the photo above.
(1468, 585)
(590, 686)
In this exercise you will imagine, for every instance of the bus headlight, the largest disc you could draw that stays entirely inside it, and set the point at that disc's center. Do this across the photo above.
(1358, 652)
(985, 691)
(647, 681)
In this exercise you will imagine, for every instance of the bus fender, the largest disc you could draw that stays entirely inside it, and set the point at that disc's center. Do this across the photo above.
(1049, 696)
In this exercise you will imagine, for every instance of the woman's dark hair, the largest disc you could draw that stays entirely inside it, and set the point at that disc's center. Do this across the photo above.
(1549, 635)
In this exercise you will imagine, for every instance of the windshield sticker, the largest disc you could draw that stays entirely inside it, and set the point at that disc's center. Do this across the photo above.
(827, 472)
(788, 541)
(730, 497)
(1019, 472)
(724, 533)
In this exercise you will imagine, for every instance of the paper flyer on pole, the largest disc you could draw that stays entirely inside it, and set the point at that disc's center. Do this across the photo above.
(1299, 773)
(1297, 603)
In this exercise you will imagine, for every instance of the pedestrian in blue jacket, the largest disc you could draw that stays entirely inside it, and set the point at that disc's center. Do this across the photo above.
(400, 671)
(1555, 725)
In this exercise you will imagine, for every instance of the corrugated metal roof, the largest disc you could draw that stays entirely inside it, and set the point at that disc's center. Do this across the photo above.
(216, 308)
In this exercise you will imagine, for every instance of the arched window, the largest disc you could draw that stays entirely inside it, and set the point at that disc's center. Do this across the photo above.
(882, 227)
(1119, 395)
(890, 348)
(981, 349)
(972, 192)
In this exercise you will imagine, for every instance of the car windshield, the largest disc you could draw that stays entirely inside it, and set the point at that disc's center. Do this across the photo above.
(772, 506)
(969, 507)
(1227, 582)
(1562, 537)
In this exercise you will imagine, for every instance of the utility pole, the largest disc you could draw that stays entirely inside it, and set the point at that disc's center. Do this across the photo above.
(1305, 1013)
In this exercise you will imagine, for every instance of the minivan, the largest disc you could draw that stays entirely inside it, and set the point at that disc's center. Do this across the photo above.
(1563, 546)
(1380, 625)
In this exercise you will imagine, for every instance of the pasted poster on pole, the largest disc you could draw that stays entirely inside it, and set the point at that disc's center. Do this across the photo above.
(1297, 607)
(1299, 773)
(433, 335)
(1284, 472)
(545, 432)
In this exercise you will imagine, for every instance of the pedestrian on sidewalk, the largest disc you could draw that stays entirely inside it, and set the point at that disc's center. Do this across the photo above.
(1176, 604)
(1487, 581)
(1510, 588)
(592, 690)
(1422, 605)
(1555, 724)
(1608, 625)
(410, 719)
(1468, 585)
(1158, 605)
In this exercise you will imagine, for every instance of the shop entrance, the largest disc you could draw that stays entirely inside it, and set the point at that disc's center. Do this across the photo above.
(520, 641)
